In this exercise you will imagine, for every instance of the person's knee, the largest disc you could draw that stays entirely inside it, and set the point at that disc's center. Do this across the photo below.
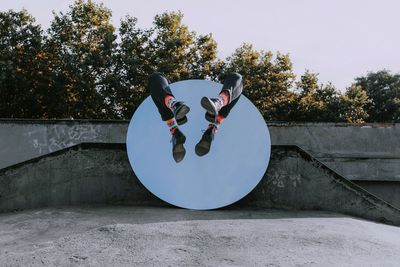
(235, 75)
(156, 76)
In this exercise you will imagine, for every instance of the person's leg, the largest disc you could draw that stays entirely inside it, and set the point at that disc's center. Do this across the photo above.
(159, 90)
(233, 85)
(231, 91)
(171, 111)
(227, 99)
(165, 101)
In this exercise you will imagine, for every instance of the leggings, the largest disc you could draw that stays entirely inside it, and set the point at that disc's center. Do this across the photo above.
(234, 85)
(159, 89)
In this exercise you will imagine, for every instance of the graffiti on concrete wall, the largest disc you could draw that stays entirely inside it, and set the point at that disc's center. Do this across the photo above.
(55, 137)
(282, 180)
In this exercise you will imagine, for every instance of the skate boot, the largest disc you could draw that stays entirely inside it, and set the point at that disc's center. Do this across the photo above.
(212, 105)
(204, 145)
(178, 150)
(180, 110)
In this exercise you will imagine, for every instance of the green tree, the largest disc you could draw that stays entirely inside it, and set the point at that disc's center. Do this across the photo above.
(307, 106)
(80, 48)
(383, 89)
(22, 67)
(205, 59)
(178, 52)
(332, 100)
(355, 101)
(80, 70)
(267, 79)
(171, 46)
(168, 47)
(316, 102)
(133, 66)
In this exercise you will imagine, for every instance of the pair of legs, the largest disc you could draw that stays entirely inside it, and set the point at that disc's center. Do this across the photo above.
(173, 112)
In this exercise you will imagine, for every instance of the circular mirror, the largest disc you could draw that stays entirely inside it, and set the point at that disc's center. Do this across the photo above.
(235, 164)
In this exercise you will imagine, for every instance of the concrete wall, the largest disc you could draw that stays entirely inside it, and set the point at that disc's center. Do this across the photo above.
(358, 152)
(388, 191)
(100, 173)
(22, 140)
(73, 176)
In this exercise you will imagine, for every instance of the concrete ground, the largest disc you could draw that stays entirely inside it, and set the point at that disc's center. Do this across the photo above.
(165, 236)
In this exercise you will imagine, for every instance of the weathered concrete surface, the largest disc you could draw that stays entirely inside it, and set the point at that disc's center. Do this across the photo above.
(365, 168)
(368, 152)
(340, 139)
(359, 152)
(82, 174)
(143, 236)
(21, 140)
(296, 180)
(356, 151)
(100, 173)
(387, 191)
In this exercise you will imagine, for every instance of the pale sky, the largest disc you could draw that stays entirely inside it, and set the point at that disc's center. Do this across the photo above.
(339, 39)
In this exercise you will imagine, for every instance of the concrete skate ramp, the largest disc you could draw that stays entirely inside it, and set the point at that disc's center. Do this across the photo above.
(149, 236)
(100, 173)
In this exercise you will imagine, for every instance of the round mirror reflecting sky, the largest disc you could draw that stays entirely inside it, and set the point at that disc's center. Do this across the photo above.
(237, 161)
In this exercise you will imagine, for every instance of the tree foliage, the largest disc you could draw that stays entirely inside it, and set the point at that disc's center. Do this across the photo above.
(80, 47)
(317, 102)
(21, 65)
(383, 88)
(355, 101)
(168, 47)
(82, 67)
(267, 79)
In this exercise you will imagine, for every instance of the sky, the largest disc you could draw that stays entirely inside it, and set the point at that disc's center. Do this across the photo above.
(340, 39)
